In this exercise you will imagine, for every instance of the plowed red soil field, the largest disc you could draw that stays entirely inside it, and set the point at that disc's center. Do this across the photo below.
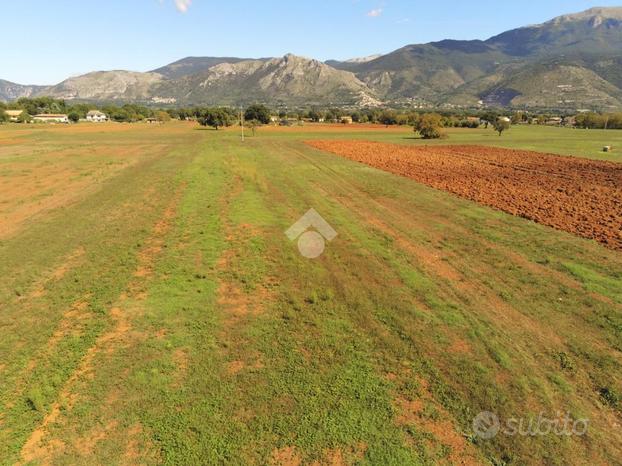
(580, 196)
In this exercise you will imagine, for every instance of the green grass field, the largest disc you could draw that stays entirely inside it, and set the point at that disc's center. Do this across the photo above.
(154, 312)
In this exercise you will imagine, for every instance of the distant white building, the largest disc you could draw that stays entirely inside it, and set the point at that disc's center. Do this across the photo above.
(96, 116)
(51, 118)
(13, 114)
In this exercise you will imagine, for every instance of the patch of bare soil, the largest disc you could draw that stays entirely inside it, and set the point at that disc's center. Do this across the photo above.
(342, 456)
(286, 456)
(441, 426)
(572, 194)
(334, 128)
(235, 366)
(87, 445)
(181, 360)
(70, 262)
(132, 450)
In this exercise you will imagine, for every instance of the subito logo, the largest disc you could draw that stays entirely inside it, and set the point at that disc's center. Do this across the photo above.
(312, 232)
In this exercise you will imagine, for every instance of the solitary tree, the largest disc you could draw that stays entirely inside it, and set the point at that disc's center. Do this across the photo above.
(3, 116)
(162, 116)
(74, 117)
(258, 112)
(252, 124)
(429, 126)
(501, 125)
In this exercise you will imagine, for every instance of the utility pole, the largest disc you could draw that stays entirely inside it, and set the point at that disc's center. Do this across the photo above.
(242, 123)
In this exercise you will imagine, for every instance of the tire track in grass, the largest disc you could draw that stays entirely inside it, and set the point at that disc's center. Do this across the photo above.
(256, 397)
(431, 264)
(73, 260)
(408, 411)
(72, 321)
(238, 305)
(36, 448)
(314, 349)
(159, 346)
(164, 385)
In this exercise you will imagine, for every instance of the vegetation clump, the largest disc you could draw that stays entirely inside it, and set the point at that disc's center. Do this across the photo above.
(258, 112)
(217, 117)
(430, 126)
(610, 396)
(501, 125)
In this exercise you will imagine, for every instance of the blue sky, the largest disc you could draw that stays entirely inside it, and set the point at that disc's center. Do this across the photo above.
(46, 41)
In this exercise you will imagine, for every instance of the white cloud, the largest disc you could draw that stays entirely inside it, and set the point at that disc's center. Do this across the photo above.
(182, 5)
(374, 13)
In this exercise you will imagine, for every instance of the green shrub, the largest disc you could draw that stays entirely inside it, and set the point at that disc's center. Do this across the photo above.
(610, 396)
(36, 400)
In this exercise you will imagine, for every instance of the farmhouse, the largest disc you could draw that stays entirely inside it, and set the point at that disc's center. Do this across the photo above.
(51, 118)
(96, 116)
(553, 121)
(13, 114)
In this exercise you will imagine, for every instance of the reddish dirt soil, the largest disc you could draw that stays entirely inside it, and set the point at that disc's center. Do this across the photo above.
(577, 195)
(309, 127)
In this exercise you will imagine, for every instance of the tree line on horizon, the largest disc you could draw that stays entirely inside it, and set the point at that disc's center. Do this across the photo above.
(260, 114)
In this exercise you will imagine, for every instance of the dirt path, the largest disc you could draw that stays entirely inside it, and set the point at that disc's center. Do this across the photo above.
(576, 195)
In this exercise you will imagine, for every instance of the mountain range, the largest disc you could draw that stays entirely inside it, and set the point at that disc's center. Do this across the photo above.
(571, 62)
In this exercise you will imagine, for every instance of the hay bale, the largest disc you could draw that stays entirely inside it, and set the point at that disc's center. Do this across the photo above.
(607, 149)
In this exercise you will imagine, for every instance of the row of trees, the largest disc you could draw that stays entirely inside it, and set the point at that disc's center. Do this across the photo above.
(215, 116)
(260, 114)
(599, 121)
(428, 125)
(431, 125)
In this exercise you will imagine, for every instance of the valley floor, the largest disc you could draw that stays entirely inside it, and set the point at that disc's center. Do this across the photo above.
(153, 311)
